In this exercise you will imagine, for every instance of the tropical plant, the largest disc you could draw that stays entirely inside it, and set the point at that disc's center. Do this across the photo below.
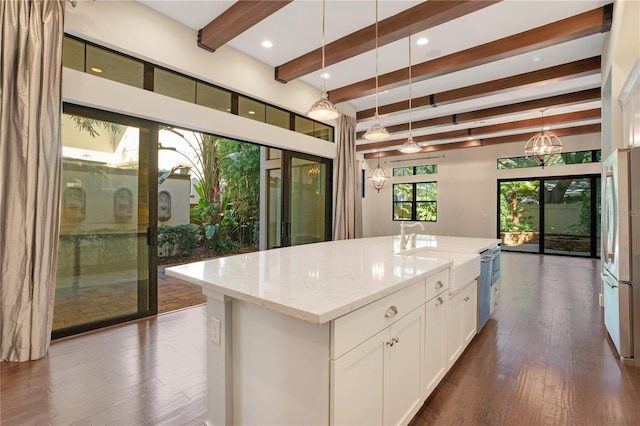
(228, 174)
(91, 125)
(178, 241)
(205, 159)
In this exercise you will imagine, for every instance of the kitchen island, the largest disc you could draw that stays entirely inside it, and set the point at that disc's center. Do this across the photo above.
(328, 333)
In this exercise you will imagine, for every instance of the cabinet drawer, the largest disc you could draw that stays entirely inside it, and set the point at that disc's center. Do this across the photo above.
(354, 328)
(495, 296)
(436, 284)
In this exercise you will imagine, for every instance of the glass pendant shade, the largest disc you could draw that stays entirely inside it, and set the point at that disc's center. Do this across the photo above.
(323, 109)
(410, 146)
(542, 147)
(378, 177)
(376, 132)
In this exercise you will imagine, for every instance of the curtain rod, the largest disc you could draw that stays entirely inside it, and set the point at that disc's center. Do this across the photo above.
(417, 159)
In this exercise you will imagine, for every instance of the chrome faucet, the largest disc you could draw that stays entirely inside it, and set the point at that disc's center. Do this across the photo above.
(411, 239)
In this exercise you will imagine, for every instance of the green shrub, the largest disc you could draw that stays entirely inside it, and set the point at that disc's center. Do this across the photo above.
(177, 241)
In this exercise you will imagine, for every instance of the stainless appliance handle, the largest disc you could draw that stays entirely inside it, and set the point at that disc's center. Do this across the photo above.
(609, 243)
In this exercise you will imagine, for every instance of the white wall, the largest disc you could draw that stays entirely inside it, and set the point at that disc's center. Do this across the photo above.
(179, 187)
(467, 187)
(130, 27)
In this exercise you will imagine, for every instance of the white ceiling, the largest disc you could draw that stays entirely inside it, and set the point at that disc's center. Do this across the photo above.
(296, 29)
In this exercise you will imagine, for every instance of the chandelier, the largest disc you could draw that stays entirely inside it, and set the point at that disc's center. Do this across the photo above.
(542, 146)
(378, 177)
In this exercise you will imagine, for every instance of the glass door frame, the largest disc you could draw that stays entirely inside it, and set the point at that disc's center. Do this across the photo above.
(286, 166)
(147, 296)
(593, 186)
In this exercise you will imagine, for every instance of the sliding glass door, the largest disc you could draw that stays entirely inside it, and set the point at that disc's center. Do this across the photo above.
(104, 257)
(551, 215)
(298, 199)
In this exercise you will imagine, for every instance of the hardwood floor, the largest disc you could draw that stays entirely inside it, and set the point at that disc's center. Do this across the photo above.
(543, 358)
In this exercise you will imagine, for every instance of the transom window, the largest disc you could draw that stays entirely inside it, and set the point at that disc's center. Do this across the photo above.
(564, 158)
(427, 169)
(415, 201)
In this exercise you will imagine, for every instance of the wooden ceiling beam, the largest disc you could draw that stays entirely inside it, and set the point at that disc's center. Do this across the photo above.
(238, 18)
(541, 77)
(573, 28)
(411, 21)
(573, 98)
(570, 131)
(477, 132)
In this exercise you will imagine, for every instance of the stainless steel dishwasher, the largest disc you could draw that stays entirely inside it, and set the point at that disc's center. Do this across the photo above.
(484, 287)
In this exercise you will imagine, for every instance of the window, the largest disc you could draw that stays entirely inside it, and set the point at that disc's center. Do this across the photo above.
(106, 63)
(427, 169)
(576, 157)
(415, 201)
(550, 215)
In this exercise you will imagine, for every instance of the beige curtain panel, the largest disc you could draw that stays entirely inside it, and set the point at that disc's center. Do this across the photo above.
(30, 158)
(347, 220)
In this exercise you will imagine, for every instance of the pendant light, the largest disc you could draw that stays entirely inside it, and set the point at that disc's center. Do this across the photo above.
(323, 109)
(543, 145)
(410, 146)
(377, 131)
(378, 177)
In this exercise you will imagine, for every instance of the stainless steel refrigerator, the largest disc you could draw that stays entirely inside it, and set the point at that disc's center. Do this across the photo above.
(621, 251)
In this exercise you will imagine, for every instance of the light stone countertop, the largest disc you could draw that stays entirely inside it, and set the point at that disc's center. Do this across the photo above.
(453, 244)
(314, 282)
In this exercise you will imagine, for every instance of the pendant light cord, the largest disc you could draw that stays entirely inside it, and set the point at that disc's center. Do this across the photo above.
(410, 95)
(323, 72)
(376, 59)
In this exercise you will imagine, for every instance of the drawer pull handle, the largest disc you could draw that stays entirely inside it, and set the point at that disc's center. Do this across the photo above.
(391, 311)
(466, 299)
(439, 284)
(393, 341)
(439, 301)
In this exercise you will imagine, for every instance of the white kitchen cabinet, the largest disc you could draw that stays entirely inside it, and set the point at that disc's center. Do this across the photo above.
(435, 355)
(379, 381)
(462, 316)
(630, 102)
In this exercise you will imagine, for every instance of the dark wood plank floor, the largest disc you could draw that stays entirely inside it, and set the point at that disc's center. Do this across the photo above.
(543, 358)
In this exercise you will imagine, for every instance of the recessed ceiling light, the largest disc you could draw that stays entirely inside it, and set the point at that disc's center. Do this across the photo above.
(251, 112)
(537, 58)
(422, 41)
(96, 70)
(267, 44)
(325, 75)
(469, 138)
(545, 128)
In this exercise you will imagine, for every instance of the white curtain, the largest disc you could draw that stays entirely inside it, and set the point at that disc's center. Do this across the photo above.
(30, 147)
(347, 220)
